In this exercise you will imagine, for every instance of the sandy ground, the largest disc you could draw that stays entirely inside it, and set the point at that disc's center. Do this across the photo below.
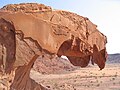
(89, 78)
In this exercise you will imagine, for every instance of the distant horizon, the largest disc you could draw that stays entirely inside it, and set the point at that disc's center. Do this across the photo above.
(104, 13)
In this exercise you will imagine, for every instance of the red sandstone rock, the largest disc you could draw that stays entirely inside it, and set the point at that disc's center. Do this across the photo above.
(31, 30)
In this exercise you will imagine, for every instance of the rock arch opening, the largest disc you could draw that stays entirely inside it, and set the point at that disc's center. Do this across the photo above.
(72, 50)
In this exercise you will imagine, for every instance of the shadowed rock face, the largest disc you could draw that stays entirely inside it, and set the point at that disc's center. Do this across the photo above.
(31, 30)
(8, 45)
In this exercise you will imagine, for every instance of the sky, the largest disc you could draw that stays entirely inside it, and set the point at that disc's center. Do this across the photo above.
(104, 13)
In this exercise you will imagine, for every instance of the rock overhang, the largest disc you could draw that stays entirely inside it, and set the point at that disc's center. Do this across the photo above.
(43, 30)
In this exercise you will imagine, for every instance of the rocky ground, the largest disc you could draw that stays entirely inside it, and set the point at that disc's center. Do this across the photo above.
(89, 78)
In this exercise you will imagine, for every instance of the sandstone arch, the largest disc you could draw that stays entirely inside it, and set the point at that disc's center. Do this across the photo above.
(27, 33)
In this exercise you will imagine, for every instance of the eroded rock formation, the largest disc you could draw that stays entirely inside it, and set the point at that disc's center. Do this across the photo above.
(31, 30)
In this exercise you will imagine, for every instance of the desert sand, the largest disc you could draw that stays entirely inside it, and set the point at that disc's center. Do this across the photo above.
(89, 78)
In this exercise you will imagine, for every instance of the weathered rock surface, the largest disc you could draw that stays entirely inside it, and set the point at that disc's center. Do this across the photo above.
(31, 30)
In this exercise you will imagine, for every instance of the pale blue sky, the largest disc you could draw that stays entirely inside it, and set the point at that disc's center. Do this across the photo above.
(104, 13)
